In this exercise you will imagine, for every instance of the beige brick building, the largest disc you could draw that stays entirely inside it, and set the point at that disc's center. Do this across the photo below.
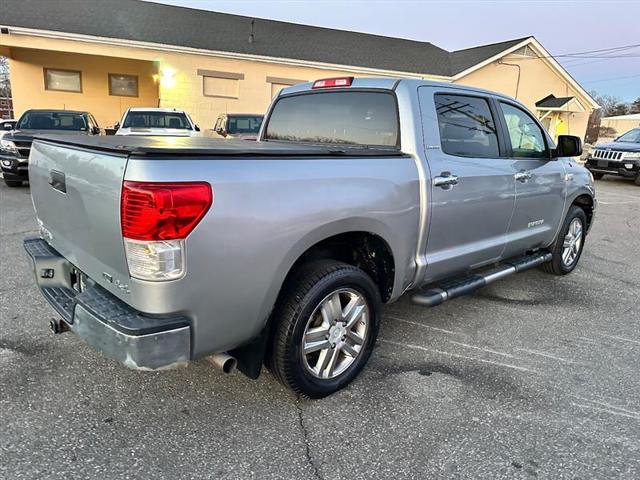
(107, 56)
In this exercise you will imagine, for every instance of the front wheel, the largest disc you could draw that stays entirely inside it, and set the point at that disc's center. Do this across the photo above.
(597, 176)
(326, 324)
(568, 247)
(637, 180)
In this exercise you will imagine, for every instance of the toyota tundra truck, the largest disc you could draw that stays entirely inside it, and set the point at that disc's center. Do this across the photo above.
(282, 251)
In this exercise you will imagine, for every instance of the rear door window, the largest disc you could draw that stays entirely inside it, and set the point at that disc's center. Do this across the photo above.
(141, 119)
(345, 117)
(467, 128)
(244, 124)
(527, 138)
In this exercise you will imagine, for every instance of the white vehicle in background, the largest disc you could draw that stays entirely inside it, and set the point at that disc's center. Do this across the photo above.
(167, 122)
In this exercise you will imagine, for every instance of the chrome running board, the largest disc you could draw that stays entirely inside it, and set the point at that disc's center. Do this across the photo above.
(462, 286)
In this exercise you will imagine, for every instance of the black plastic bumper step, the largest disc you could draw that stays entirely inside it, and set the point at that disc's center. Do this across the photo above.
(461, 286)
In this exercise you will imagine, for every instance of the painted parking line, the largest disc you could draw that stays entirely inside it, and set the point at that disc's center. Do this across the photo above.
(600, 202)
(456, 355)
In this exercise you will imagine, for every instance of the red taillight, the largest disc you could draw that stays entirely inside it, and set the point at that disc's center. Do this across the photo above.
(333, 82)
(163, 211)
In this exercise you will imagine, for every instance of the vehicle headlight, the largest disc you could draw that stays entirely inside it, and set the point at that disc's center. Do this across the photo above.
(632, 156)
(8, 145)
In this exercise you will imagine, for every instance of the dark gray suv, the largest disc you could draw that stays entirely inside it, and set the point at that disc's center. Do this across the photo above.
(15, 146)
(620, 157)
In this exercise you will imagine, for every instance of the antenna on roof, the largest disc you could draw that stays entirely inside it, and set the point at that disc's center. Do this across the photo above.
(253, 22)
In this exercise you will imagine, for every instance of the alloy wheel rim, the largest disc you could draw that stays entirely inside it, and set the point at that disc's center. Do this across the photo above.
(335, 333)
(572, 242)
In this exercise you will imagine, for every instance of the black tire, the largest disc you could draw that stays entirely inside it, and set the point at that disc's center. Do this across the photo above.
(637, 180)
(12, 183)
(597, 176)
(302, 295)
(557, 265)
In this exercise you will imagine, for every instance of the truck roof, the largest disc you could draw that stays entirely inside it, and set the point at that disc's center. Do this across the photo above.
(155, 109)
(203, 146)
(390, 83)
(56, 110)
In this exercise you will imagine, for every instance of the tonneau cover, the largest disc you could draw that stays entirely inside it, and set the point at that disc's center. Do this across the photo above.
(197, 146)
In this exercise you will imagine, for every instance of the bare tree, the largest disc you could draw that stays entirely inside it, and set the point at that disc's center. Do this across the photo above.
(609, 106)
(5, 85)
(6, 103)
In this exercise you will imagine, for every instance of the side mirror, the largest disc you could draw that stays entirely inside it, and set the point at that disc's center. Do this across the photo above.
(7, 126)
(568, 146)
(116, 125)
(221, 131)
(196, 128)
(95, 130)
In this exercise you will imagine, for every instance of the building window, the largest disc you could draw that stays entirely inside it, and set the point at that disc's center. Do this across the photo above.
(278, 84)
(63, 80)
(220, 87)
(123, 85)
(220, 84)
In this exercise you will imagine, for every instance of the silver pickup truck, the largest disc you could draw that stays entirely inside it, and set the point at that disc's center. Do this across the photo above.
(160, 251)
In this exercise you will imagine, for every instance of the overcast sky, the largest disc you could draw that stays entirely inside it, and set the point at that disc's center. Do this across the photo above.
(561, 26)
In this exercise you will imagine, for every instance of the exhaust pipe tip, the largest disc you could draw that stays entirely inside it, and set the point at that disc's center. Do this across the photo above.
(224, 362)
(58, 326)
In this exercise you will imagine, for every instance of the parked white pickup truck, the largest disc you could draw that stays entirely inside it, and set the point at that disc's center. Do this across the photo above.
(168, 122)
(282, 251)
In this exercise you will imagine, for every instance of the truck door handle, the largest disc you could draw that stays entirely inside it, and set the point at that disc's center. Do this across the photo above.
(445, 180)
(523, 176)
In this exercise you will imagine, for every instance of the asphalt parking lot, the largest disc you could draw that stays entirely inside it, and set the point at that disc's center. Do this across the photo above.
(534, 376)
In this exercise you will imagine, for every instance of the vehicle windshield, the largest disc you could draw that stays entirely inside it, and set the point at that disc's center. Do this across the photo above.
(338, 117)
(244, 124)
(141, 119)
(52, 121)
(632, 136)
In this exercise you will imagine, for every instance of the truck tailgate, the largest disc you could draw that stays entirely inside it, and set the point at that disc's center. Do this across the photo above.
(76, 196)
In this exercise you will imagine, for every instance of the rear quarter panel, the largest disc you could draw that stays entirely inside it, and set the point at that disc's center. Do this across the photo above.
(266, 213)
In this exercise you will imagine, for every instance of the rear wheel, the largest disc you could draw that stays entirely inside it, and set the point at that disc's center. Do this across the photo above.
(598, 176)
(327, 322)
(568, 247)
(12, 183)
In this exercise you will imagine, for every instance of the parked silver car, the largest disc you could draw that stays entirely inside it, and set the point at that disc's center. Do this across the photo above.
(282, 251)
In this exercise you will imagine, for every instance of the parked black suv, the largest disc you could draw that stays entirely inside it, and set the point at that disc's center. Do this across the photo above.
(620, 157)
(16, 145)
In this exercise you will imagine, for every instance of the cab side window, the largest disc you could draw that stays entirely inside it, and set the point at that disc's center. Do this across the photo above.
(467, 128)
(527, 138)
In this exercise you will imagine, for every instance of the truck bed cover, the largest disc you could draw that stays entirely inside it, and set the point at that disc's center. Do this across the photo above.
(203, 146)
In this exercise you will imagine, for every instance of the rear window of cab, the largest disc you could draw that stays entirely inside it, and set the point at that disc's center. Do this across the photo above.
(336, 117)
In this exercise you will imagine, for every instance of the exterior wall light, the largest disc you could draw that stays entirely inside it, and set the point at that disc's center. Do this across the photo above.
(167, 78)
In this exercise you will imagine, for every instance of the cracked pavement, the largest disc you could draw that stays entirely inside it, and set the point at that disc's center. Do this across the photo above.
(533, 376)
